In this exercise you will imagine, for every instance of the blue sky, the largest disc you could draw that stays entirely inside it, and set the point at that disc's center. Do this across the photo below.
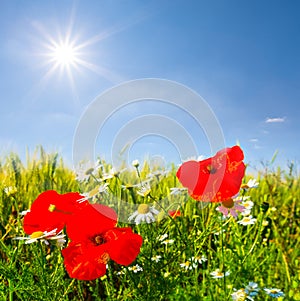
(242, 57)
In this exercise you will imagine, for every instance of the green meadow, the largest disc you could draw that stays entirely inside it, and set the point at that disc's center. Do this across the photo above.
(197, 255)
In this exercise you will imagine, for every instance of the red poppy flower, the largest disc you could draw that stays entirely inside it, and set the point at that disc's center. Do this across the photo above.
(96, 240)
(52, 210)
(214, 179)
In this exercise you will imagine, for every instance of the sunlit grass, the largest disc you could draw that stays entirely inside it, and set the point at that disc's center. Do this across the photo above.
(266, 252)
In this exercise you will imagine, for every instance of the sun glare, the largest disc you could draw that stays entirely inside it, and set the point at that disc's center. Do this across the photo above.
(64, 55)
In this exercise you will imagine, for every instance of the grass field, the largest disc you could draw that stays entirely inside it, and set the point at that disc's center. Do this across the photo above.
(199, 255)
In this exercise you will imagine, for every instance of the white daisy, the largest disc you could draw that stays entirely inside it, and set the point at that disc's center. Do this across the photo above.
(252, 183)
(248, 206)
(144, 190)
(44, 237)
(135, 163)
(247, 220)
(99, 189)
(85, 170)
(156, 258)
(218, 274)
(144, 213)
(188, 265)
(162, 237)
(265, 223)
(156, 174)
(136, 268)
(240, 295)
(113, 173)
(177, 190)
(252, 289)
(192, 263)
(246, 212)
(10, 190)
(198, 259)
(274, 292)
(167, 274)
(168, 241)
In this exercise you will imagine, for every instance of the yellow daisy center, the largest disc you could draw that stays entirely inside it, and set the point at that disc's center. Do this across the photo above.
(36, 234)
(89, 171)
(219, 273)
(245, 186)
(143, 209)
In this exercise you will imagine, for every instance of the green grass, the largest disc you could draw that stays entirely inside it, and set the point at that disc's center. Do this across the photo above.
(266, 253)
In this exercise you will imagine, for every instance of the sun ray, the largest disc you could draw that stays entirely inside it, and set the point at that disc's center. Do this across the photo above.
(66, 53)
(106, 73)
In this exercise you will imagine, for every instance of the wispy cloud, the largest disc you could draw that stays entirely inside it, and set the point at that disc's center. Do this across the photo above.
(253, 140)
(275, 120)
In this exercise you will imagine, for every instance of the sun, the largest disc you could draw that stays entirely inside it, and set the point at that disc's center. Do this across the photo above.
(64, 54)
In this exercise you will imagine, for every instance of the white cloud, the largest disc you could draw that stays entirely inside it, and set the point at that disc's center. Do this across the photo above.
(253, 140)
(274, 120)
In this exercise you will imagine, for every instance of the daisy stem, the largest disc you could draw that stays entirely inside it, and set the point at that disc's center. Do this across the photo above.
(41, 255)
(222, 252)
(133, 280)
(132, 194)
(184, 240)
(97, 181)
(139, 175)
(256, 238)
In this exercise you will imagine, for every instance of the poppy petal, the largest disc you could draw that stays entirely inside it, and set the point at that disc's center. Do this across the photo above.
(91, 220)
(124, 245)
(81, 263)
